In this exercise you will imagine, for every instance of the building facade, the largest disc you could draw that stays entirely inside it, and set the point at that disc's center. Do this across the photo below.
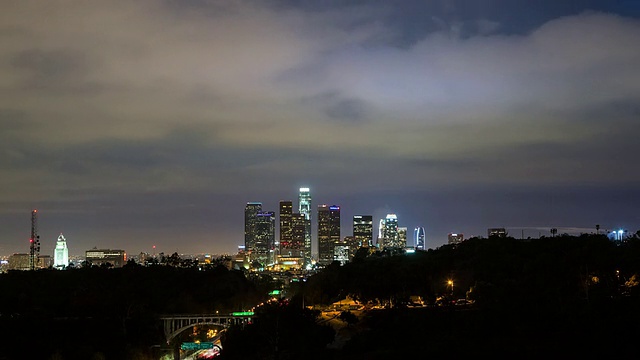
(363, 230)
(328, 232)
(264, 243)
(19, 262)
(294, 245)
(286, 231)
(117, 258)
(251, 211)
(498, 232)
(389, 237)
(402, 238)
(455, 238)
(352, 245)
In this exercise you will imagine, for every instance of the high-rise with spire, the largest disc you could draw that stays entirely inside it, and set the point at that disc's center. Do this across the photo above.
(304, 208)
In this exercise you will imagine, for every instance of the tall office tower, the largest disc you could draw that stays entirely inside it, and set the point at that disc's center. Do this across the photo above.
(304, 208)
(418, 238)
(294, 246)
(286, 210)
(265, 233)
(363, 230)
(455, 238)
(328, 232)
(298, 237)
(402, 237)
(380, 240)
(390, 232)
(251, 211)
(61, 253)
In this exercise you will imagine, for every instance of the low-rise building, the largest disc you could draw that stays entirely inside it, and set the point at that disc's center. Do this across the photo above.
(117, 258)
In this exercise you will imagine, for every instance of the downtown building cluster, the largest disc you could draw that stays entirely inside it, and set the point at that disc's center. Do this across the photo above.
(292, 247)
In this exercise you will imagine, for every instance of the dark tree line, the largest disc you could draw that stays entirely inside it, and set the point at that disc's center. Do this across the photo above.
(564, 271)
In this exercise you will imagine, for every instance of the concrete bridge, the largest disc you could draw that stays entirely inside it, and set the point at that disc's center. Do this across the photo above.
(175, 324)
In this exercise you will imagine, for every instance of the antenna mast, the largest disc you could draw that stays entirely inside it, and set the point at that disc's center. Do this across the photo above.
(34, 241)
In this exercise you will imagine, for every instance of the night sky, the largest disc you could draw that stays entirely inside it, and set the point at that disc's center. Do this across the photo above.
(134, 123)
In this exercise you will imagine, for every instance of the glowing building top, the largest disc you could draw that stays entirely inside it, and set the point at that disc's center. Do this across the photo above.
(304, 207)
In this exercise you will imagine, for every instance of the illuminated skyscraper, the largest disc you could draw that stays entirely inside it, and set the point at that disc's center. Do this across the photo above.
(418, 238)
(390, 238)
(286, 231)
(294, 247)
(304, 208)
(265, 233)
(251, 211)
(61, 253)
(380, 240)
(363, 230)
(328, 232)
(402, 238)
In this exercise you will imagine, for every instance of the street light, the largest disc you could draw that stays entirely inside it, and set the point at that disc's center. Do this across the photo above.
(450, 282)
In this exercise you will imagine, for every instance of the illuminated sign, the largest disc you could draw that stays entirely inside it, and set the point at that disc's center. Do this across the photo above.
(196, 346)
(242, 313)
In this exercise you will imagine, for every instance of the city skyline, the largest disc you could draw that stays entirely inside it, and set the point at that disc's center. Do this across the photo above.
(457, 116)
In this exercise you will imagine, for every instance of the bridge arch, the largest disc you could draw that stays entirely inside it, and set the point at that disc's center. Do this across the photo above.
(176, 324)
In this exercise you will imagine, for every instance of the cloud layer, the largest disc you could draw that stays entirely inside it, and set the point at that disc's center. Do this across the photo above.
(103, 102)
